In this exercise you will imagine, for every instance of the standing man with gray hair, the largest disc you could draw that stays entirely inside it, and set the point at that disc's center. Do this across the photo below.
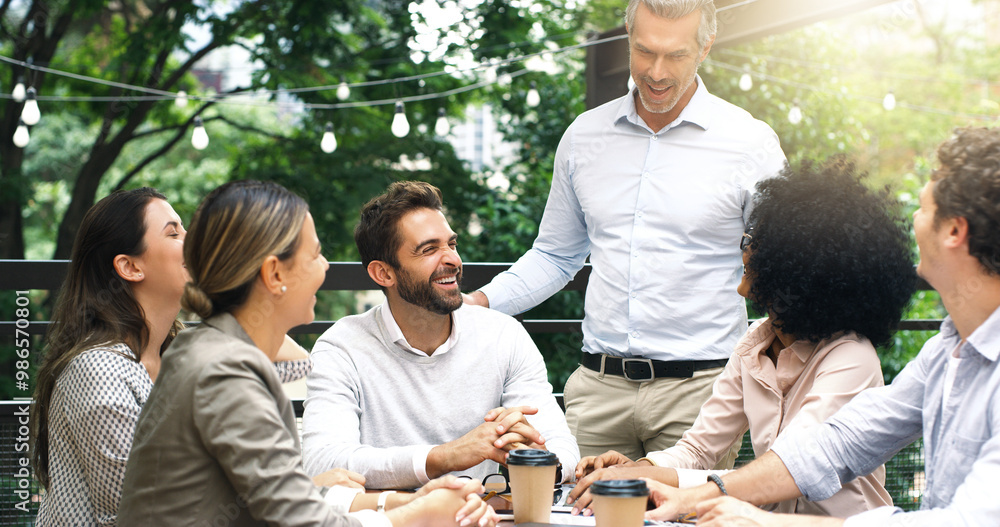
(655, 187)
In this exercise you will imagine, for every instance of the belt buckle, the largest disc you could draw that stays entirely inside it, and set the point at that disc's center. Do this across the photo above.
(637, 370)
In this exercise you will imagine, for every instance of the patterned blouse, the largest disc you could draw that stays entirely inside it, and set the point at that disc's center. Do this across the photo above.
(95, 405)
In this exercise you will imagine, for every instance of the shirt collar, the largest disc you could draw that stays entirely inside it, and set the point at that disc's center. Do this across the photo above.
(697, 112)
(227, 323)
(985, 339)
(760, 336)
(397, 337)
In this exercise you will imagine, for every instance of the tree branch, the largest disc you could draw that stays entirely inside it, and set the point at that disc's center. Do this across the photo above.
(248, 128)
(22, 28)
(181, 132)
(147, 133)
(3, 12)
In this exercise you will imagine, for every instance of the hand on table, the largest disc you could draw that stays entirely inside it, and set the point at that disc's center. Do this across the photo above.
(580, 496)
(340, 476)
(730, 511)
(441, 503)
(480, 444)
(446, 482)
(512, 422)
(610, 458)
(670, 502)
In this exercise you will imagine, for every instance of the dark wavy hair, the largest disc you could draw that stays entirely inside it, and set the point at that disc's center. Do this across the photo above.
(95, 305)
(377, 234)
(968, 186)
(829, 254)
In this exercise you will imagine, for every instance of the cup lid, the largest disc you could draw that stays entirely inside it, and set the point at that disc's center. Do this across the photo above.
(625, 488)
(532, 457)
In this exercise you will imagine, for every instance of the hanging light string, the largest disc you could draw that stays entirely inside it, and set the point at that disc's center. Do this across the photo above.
(166, 95)
(85, 78)
(243, 100)
(878, 100)
(845, 69)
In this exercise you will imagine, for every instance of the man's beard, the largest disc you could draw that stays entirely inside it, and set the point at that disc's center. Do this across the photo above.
(423, 294)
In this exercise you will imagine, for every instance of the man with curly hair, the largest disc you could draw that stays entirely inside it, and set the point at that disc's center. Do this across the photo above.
(950, 392)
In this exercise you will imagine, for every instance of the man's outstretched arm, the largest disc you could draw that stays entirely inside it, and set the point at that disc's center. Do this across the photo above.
(765, 480)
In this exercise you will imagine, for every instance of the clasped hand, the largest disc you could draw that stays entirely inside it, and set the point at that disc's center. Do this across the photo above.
(503, 429)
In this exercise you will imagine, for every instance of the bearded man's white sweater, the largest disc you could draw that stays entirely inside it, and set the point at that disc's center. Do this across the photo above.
(377, 409)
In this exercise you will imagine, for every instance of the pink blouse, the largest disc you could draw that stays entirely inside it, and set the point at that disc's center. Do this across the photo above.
(810, 383)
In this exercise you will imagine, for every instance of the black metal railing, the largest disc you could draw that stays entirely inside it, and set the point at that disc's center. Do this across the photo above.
(904, 479)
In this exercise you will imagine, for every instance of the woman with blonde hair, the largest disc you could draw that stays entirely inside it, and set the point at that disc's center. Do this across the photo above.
(217, 439)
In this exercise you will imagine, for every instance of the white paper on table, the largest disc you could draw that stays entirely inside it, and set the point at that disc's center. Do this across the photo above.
(562, 518)
(559, 518)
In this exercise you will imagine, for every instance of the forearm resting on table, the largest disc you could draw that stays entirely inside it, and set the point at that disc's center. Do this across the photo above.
(765, 480)
(440, 461)
(727, 511)
(369, 500)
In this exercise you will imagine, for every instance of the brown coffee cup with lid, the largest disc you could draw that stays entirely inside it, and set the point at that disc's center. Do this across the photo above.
(619, 502)
(532, 484)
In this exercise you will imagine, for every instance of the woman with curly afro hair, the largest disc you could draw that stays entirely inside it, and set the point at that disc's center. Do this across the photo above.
(830, 261)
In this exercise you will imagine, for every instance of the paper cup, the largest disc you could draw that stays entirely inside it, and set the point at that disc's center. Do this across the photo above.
(532, 483)
(619, 502)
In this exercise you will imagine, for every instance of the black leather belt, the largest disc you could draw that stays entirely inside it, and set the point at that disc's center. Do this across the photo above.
(639, 369)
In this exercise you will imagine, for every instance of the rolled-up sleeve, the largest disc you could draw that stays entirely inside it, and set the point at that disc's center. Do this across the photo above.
(864, 434)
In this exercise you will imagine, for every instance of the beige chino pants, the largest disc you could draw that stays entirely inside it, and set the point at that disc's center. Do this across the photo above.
(610, 412)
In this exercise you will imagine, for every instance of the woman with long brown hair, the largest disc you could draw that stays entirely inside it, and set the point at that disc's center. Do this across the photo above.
(115, 313)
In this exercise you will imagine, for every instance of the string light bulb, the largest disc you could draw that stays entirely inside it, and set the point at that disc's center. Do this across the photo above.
(490, 73)
(889, 102)
(343, 90)
(795, 114)
(30, 114)
(746, 81)
(182, 99)
(441, 127)
(18, 93)
(199, 137)
(21, 136)
(400, 126)
(533, 99)
(329, 142)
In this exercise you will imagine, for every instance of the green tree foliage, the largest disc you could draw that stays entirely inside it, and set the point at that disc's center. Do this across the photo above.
(838, 72)
(83, 150)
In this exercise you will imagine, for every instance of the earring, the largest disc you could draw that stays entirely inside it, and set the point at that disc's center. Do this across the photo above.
(140, 275)
(284, 289)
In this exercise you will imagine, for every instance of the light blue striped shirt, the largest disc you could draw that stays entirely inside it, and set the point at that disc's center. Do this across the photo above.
(961, 438)
(661, 216)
